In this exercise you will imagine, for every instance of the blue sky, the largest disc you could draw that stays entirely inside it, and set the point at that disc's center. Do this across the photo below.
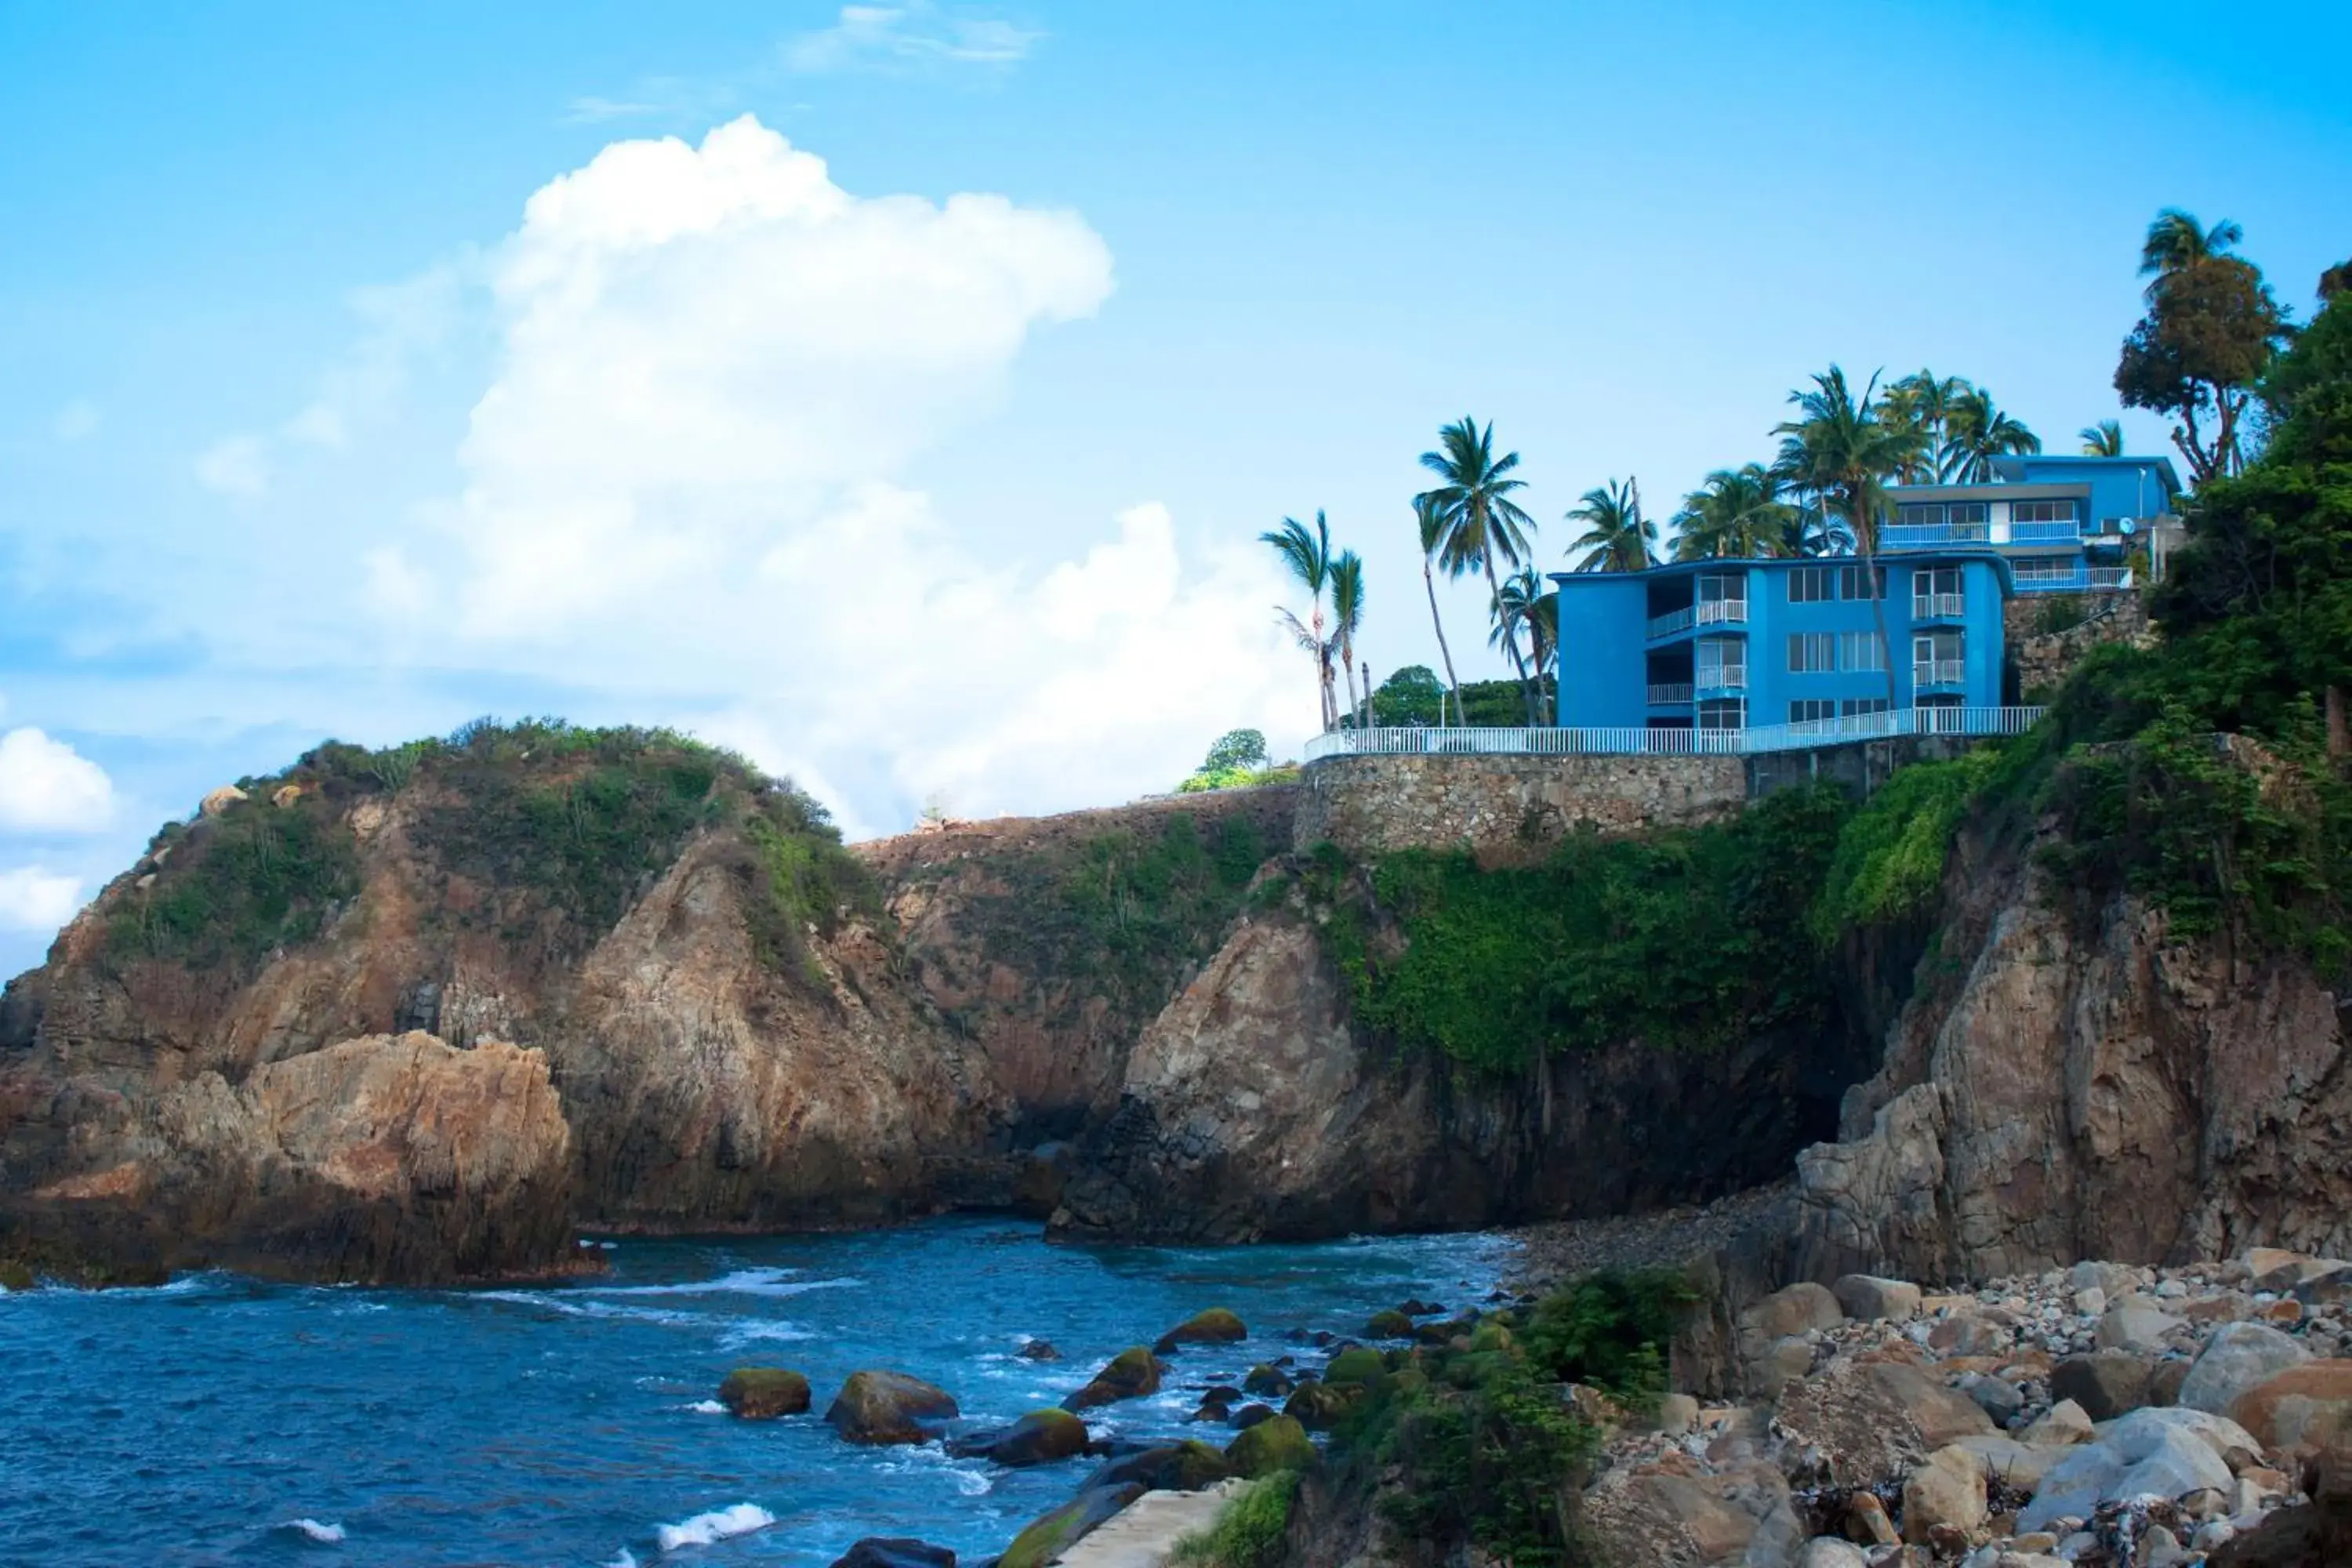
(934, 473)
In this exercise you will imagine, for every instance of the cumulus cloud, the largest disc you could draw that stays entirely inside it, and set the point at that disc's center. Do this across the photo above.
(915, 36)
(687, 477)
(236, 465)
(45, 786)
(32, 899)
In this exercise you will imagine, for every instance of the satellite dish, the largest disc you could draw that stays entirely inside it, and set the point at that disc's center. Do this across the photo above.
(2125, 526)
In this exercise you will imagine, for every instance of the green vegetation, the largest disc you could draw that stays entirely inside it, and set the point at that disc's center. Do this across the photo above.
(1238, 760)
(1889, 863)
(1252, 1531)
(2059, 613)
(1685, 938)
(2210, 332)
(554, 829)
(1611, 1329)
(1468, 521)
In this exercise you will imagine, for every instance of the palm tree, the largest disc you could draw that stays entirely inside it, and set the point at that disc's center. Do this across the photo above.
(1924, 402)
(1308, 557)
(1348, 619)
(2176, 242)
(1480, 520)
(1523, 601)
(1980, 433)
(1840, 450)
(1431, 520)
(1616, 536)
(2105, 439)
(1737, 511)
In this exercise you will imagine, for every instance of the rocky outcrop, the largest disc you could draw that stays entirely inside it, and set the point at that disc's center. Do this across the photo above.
(2074, 1083)
(1252, 1109)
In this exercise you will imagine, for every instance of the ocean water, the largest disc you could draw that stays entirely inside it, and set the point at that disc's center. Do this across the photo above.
(221, 1420)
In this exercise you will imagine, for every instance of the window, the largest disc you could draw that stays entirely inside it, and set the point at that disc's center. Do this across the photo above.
(1919, 514)
(1812, 653)
(1809, 585)
(1861, 650)
(1970, 514)
(1811, 710)
(1864, 707)
(2041, 511)
(1722, 664)
(1721, 599)
(1935, 591)
(1855, 582)
(1730, 713)
(1935, 659)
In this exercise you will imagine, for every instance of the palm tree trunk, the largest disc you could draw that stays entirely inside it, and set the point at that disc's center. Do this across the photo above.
(1865, 539)
(1511, 640)
(1443, 652)
(1348, 668)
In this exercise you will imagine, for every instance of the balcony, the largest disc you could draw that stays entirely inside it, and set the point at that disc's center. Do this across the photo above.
(1671, 694)
(2069, 533)
(1727, 678)
(2084, 580)
(1938, 606)
(1930, 674)
(1933, 535)
(1708, 613)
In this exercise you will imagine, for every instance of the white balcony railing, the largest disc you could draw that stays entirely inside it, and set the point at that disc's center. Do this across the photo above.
(2110, 579)
(1706, 612)
(1932, 535)
(1673, 621)
(2082, 580)
(1940, 672)
(1937, 606)
(1723, 678)
(1671, 694)
(2066, 532)
(1962, 721)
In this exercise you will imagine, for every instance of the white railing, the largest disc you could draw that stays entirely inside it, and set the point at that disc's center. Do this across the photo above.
(2044, 532)
(1706, 612)
(1673, 621)
(2092, 580)
(1932, 535)
(1723, 678)
(1932, 606)
(2110, 579)
(1670, 694)
(1940, 672)
(1620, 741)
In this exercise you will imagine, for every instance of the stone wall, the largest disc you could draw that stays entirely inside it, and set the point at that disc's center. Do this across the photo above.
(1507, 807)
(2044, 658)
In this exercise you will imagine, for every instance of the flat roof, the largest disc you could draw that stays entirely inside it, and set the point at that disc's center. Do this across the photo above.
(1790, 563)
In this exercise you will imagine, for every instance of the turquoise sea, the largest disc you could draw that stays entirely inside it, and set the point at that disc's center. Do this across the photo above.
(223, 1420)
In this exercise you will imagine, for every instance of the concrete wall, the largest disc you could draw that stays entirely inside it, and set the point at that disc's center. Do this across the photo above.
(1507, 807)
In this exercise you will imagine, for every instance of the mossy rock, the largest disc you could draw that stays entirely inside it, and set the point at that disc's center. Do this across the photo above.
(890, 1407)
(1492, 1335)
(764, 1393)
(1060, 1531)
(1268, 1382)
(1359, 1363)
(1249, 1415)
(1039, 1437)
(1214, 1326)
(1186, 1467)
(1444, 1332)
(1278, 1443)
(1132, 1375)
(15, 1276)
(1389, 1325)
(1407, 1382)
(1319, 1407)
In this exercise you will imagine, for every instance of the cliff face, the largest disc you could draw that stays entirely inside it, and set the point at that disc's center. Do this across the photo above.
(2073, 1083)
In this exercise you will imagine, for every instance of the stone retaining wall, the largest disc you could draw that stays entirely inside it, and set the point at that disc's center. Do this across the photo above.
(2043, 659)
(1507, 807)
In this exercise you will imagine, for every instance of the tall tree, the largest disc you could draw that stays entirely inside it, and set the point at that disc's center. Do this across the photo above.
(1841, 449)
(1522, 600)
(2105, 439)
(1978, 433)
(1348, 619)
(1482, 523)
(1736, 512)
(1922, 403)
(2210, 330)
(1617, 537)
(1307, 555)
(1431, 518)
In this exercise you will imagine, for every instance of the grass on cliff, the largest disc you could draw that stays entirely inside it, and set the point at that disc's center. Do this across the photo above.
(1252, 1532)
(553, 829)
(1687, 939)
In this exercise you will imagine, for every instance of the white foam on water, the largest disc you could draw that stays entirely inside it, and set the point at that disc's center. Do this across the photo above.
(706, 1407)
(624, 1558)
(741, 1282)
(329, 1533)
(707, 1528)
(750, 1332)
(576, 1305)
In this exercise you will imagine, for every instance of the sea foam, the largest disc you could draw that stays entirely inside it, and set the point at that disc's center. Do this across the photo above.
(314, 1530)
(704, 1529)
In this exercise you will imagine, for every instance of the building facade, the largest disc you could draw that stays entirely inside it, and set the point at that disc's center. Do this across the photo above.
(2066, 525)
(1744, 644)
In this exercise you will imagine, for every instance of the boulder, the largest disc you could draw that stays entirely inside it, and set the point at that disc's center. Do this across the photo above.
(216, 802)
(2275, 1269)
(1799, 1307)
(1676, 1414)
(1772, 1366)
(1869, 1297)
(2218, 1433)
(1870, 1419)
(1355, 1364)
(1249, 1415)
(2106, 1384)
(1275, 1443)
(2148, 1456)
(890, 1407)
(1039, 1350)
(1214, 1326)
(2066, 1422)
(764, 1393)
(2305, 1406)
(1946, 1490)
(2017, 1462)
(1829, 1551)
(2112, 1280)
(1039, 1437)
(894, 1552)
(1319, 1406)
(2238, 1357)
(1966, 1333)
(1130, 1374)
(2165, 1378)
(1997, 1396)
(2136, 1323)
(1389, 1325)
(1045, 1540)
(1268, 1382)
(1186, 1467)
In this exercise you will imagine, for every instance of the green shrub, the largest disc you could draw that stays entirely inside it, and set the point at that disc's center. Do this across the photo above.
(2059, 613)
(1252, 1532)
(237, 886)
(1889, 861)
(1613, 1330)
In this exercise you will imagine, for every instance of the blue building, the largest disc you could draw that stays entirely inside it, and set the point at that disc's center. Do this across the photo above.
(1742, 643)
(2066, 525)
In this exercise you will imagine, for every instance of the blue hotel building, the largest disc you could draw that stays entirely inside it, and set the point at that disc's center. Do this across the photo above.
(2066, 525)
(1742, 643)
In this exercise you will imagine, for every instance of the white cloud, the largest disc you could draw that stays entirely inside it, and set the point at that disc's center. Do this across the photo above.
(36, 901)
(917, 36)
(237, 466)
(45, 786)
(77, 421)
(714, 365)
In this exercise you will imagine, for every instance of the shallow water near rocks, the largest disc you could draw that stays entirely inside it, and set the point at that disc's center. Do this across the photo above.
(220, 1420)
